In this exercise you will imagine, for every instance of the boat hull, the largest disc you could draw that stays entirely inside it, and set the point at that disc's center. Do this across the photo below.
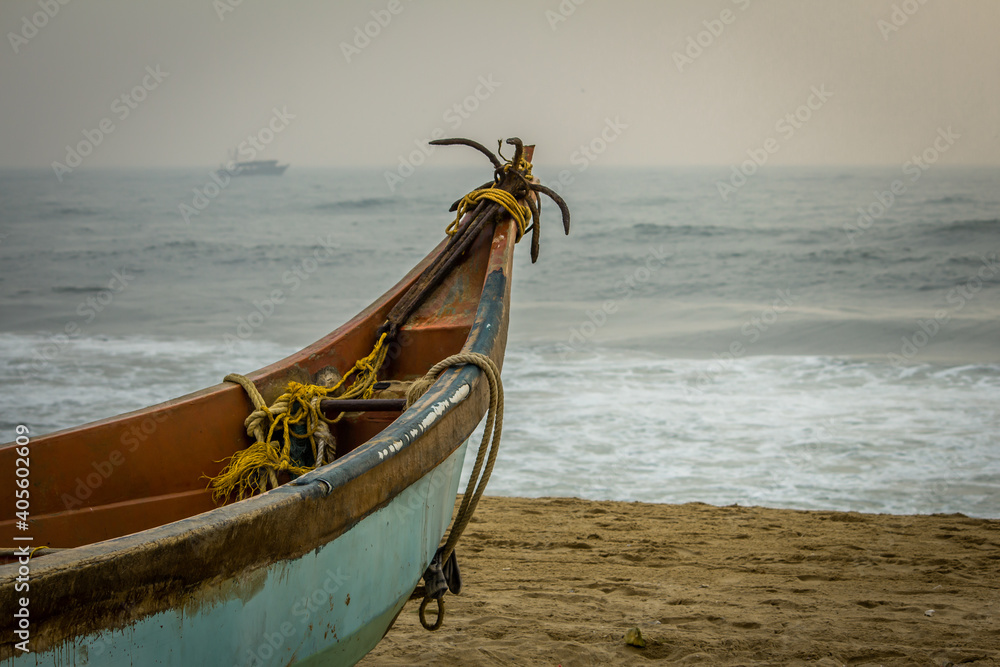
(148, 572)
(328, 607)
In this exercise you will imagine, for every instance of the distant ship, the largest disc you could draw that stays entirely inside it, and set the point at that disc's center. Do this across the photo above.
(254, 168)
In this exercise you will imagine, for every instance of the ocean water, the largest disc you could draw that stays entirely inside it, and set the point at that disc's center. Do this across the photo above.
(780, 347)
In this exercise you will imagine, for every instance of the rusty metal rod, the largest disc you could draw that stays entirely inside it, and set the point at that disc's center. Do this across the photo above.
(362, 405)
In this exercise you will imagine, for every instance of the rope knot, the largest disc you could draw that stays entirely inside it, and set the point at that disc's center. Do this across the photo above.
(292, 435)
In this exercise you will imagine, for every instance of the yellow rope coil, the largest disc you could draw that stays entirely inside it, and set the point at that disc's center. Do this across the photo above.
(520, 212)
(255, 469)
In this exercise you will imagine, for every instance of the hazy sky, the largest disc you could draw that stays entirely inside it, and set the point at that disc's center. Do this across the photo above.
(882, 77)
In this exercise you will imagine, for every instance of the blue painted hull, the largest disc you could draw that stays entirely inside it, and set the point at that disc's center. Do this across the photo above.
(329, 607)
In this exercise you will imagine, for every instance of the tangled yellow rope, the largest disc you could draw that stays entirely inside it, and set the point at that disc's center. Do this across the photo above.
(523, 166)
(254, 469)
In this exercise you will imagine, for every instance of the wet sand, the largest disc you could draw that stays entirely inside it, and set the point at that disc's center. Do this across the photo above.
(559, 581)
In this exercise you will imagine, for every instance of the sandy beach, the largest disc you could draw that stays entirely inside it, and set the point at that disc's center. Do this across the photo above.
(559, 581)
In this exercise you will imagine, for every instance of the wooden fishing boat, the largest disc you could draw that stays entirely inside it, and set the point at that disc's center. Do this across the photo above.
(141, 566)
